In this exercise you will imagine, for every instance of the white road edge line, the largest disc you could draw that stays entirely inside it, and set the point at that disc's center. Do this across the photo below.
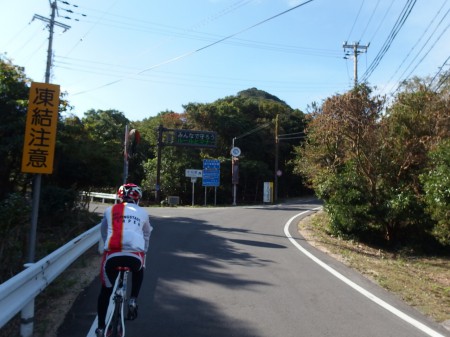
(350, 283)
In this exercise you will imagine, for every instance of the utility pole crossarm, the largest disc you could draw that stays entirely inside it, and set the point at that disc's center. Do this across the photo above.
(56, 23)
(357, 49)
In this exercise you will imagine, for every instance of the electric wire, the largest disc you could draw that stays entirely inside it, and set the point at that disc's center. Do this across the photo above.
(441, 68)
(431, 47)
(387, 44)
(442, 81)
(204, 47)
(380, 24)
(429, 50)
(369, 21)
(253, 130)
(426, 54)
(356, 19)
(417, 43)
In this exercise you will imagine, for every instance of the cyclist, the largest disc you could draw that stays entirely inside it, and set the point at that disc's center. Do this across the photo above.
(125, 229)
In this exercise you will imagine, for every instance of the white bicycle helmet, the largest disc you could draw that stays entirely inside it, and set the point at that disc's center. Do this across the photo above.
(129, 192)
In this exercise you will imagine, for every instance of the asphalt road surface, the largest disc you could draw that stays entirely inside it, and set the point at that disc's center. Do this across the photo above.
(245, 271)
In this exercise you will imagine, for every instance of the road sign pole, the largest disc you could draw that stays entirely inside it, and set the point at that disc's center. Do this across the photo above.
(125, 156)
(193, 192)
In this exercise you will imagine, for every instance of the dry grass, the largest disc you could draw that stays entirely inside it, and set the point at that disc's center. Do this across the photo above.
(422, 282)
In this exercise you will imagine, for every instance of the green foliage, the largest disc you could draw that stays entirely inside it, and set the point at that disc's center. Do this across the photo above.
(365, 163)
(436, 184)
(56, 200)
(348, 202)
(13, 107)
(248, 121)
(14, 223)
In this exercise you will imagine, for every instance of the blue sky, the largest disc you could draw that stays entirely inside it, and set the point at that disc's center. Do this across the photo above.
(144, 57)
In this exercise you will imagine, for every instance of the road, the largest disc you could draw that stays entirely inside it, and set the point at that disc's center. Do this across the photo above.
(245, 271)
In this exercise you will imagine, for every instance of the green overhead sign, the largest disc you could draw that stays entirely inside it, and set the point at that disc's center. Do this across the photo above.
(195, 138)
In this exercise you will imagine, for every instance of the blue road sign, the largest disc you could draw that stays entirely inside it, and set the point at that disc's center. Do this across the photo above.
(211, 172)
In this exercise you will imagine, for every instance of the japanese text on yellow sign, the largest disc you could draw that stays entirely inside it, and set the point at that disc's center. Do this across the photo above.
(40, 131)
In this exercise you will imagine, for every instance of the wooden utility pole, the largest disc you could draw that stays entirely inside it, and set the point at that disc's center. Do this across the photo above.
(159, 145)
(275, 185)
(357, 49)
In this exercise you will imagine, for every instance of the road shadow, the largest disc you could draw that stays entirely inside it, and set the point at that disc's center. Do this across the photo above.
(182, 251)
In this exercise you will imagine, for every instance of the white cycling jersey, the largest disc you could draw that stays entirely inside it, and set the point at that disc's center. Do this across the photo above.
(126, 227)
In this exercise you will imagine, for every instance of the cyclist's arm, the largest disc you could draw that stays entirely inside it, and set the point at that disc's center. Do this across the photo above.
(147, 230)
(104, 228)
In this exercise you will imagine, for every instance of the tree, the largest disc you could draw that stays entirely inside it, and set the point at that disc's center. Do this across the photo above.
(174, 160)
(436, 184)
(365, 162)
(339, 159)
(106, 129)
(14, 92)
(235, 116)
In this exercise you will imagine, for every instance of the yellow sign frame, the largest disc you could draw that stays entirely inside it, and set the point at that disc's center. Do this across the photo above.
(40, 131)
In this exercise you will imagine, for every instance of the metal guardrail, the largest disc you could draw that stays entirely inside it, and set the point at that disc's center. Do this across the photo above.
(99, 195)
(18, 293)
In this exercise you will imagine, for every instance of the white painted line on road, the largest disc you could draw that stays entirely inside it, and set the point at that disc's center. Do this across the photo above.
(361, 290)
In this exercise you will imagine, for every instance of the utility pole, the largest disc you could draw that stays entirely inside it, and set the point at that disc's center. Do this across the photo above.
(357, 49)
(51, 25)
(27, 313)
(159, 145)
(275, 187)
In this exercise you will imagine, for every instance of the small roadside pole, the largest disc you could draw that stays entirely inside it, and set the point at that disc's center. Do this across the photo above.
(235, 153)
(193, 174)
(193, 181)
(125, 156)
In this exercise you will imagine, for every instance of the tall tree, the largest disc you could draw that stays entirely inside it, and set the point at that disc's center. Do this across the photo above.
(14, 92)
(365, 162)
(106, 128)
(248, 121)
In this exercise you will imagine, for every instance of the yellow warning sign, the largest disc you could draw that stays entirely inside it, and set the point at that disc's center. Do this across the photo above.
(40, 130)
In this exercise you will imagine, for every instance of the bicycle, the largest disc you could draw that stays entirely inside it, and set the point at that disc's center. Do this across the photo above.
(115, 326)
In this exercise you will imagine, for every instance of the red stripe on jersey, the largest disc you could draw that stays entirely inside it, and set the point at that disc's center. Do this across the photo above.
(117, 212)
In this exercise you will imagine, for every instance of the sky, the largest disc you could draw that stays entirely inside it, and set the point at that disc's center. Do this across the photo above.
(149, 56)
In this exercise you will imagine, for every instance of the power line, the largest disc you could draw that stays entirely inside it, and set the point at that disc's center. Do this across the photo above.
(423, 57)
(417, 43)
(356, 19)
(204, 47)
(370, 20)
(387, 44)
(441, 68)
(431, 47)
(380, 24)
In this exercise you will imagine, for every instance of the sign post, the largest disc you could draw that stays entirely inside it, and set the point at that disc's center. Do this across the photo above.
(39, 144)
(235, 153)
(193, 174)
(193, 181)
(211, 176)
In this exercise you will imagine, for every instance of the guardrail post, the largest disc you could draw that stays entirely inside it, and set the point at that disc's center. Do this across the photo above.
(27, 320)
(27, 315)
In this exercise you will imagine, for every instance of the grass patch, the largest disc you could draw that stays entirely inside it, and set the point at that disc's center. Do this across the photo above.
(421, 281)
